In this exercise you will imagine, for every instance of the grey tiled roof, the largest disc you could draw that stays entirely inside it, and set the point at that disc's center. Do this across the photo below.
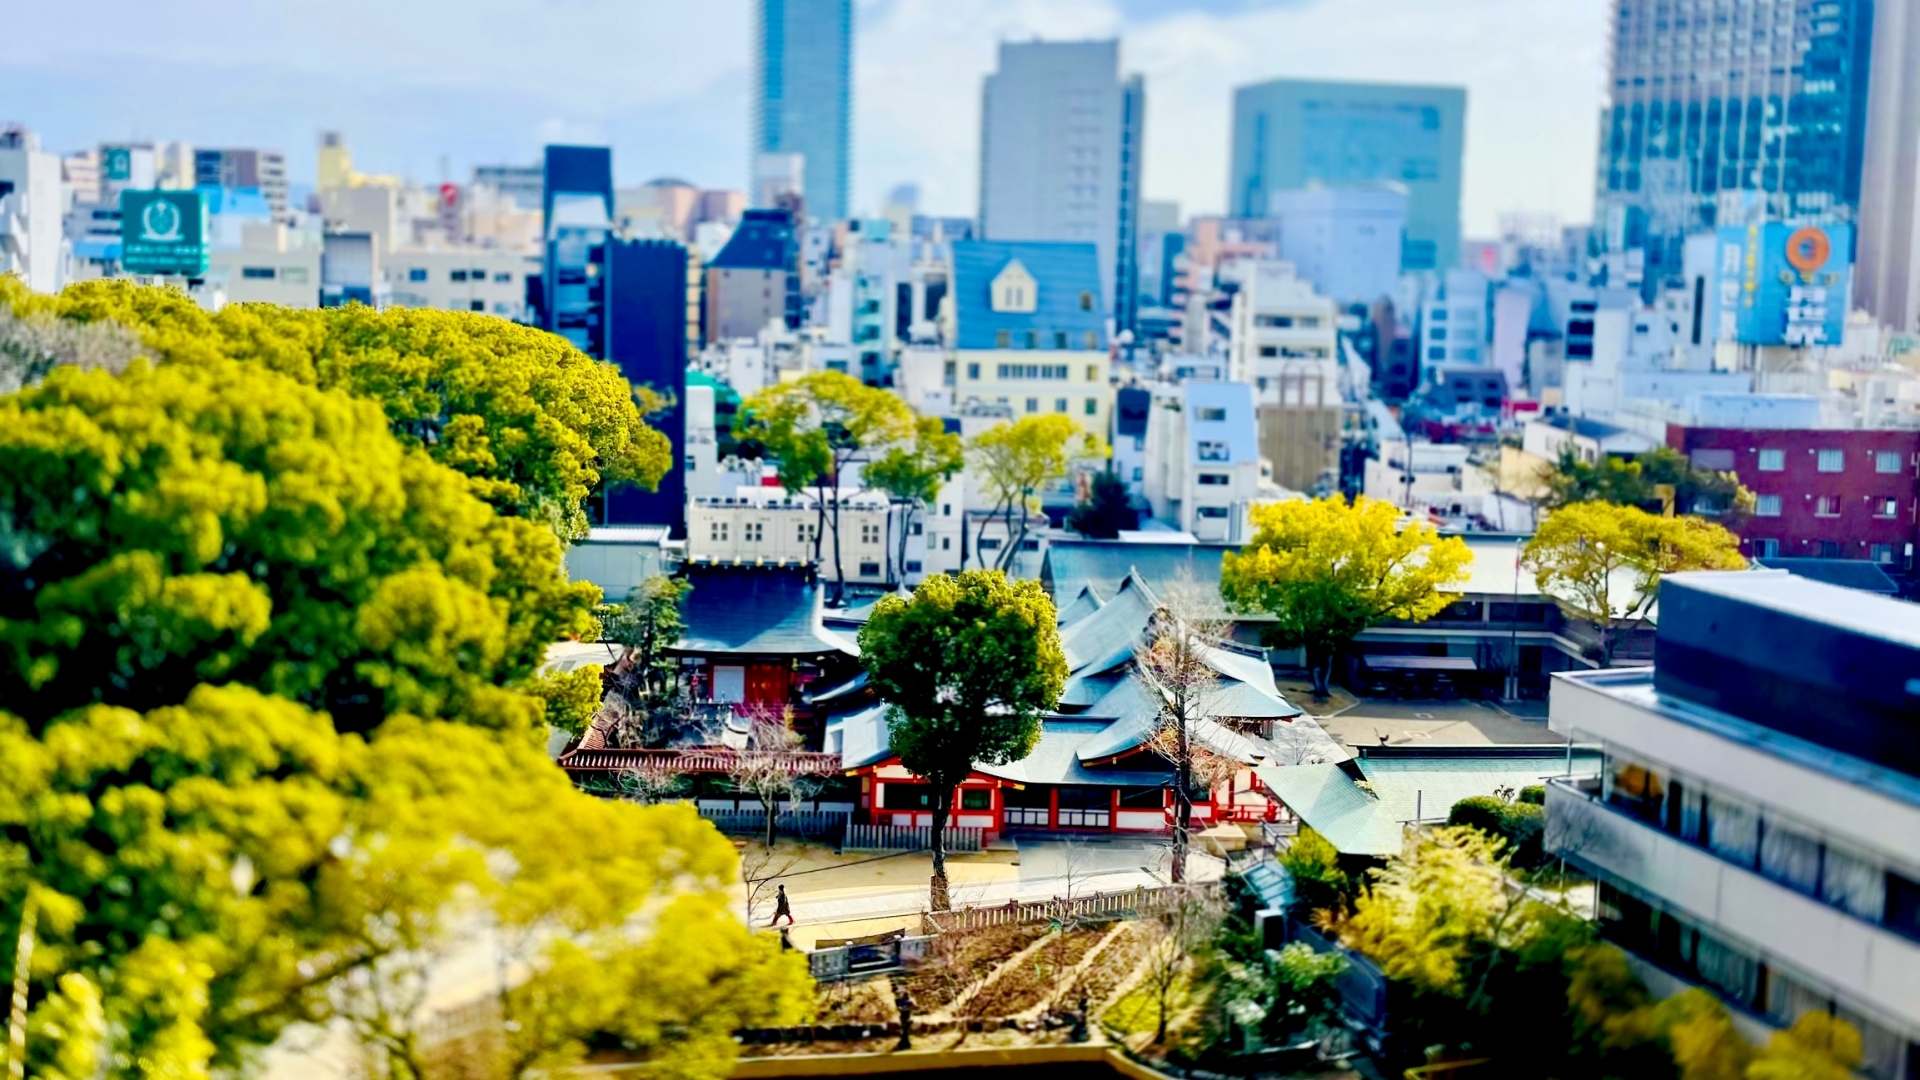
(754, 611)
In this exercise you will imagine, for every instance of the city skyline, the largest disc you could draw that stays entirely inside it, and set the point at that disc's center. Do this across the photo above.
(669, 88)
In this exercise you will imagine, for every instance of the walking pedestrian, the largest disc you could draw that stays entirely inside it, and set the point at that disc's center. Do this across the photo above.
(780, 907)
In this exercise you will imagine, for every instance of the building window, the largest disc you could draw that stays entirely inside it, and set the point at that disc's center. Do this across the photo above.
(1209, 450)
(1060, 405)
(1830, 461)
(1086, 301)
(1766, 506)
(477, 305)
(869, 533)
(1211, 512)
(916, 528)
(293, 275)
(1831, 549)
(976, 798)
(1060, 339)
(717, 532)
(1032, 338)
(1886, 461)
(1093, 340)
(973, 370)
(417, 273)
(257, 272)
(1269, 351)
(503, 277)
(458, 275)
(805, 532)
(1880, 553)
(752, 532)
(1827, 506)
(1093, 372)
(1214, 479)
(1033, 404)
(1002, 339)
(913, 566)
(1093, 406)
(1886, 508)
(1211, 415)
(1766, 548)
(946, 543)
(1772, 460)
(869, 569)
(990, 544)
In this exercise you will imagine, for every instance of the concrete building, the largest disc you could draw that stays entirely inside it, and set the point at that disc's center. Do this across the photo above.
(803, 96)
(760, 525)
(1289, 134)
(1284, 343)
(468, 279)
(755, 280)
(262, 170)
(272, 264)
(1753, 112)
(1346, 241)
(524, 184)
(1203, 459)
(1752, 828)
(1060, 157)
(1455, 321)
(1439, 479)
(1028, 331)
(32, 238)
(1886, 276)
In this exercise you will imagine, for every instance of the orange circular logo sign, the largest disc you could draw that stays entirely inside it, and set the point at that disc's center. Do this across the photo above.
(1808, 249)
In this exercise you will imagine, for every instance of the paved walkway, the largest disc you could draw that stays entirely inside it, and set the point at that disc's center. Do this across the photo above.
(1441, 723)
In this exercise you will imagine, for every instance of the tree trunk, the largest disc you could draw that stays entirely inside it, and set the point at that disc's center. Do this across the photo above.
(1005, 562)
(22, 971)
(1182, 805)
(937, 842)
(839, 570)
(1320, 668)
(906, 524)
(1606, 643)
(1165, 992)
(819, 518)
(768, 805)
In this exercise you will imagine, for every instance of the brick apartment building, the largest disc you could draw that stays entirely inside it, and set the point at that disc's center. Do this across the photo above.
(1820, 494)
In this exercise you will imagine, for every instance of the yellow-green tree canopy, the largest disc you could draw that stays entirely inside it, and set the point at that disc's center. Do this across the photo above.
(1602, 563)
(1014, 461)
(218, 522)
(533, 422)
(1326, 570)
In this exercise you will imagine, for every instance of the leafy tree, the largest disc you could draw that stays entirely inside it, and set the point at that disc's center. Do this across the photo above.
(1603, 563)
(815, 427)
(648, 624)
(1326, 570)
(535, 424)
(1645, 481)
(1522, 825)
(1816, 1046)
(571, 698)
(967, 666)
(913, 474)
(1427, 914)
(1320, 884)
(1106, 511)
(1015, 461)
(218, 522)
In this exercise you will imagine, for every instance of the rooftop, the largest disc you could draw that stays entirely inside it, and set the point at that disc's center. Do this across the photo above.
(1857, 574)
(755, 611)
(1061, 273)
(1580, 425)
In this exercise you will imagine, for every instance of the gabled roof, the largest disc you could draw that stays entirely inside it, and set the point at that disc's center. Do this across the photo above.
(754, 611)
(1060, 758)
(1062, 272)
(1105, 638)
(1081, 606)
(1072, 565)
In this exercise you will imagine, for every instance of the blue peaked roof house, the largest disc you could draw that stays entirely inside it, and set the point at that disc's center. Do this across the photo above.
(1065, 297)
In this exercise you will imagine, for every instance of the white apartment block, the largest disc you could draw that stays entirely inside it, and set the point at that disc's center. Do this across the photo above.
(1284, 342)
(487, 280)
(768, 526)
(1203, 458)
(32, 243)
(272, 265)
(1073, 382)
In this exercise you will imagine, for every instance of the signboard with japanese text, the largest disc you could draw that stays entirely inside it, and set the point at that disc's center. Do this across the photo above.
(1779, 284)
(163, 232)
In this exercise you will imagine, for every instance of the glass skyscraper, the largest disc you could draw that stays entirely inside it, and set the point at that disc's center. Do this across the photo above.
(1728, 112)
(803, 94)
(1289, 134)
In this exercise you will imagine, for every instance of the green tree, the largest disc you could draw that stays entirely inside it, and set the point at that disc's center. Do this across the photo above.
(219, 522)
(1659, 479)
(967, 667)
(1427, 915)
(570, 698)
(1326, 570)
(1106, 511)
(648, 624)
(1603, 563)
(815, 427)
(1320, 883)
(1015, 461)
(912, 474)
(535, 424)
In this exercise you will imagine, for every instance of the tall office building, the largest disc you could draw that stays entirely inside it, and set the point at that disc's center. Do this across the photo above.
(803, 95)
(1289, 135)
(619, 300)
(262, 170)
(1060, 154)
(1886, 280)
(1725, 113)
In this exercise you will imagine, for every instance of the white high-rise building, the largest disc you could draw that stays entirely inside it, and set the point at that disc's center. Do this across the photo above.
(32, 241)
(1886, 280)
(1345, 240)
(1060, 154)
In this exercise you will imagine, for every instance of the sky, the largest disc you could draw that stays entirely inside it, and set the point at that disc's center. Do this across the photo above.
(429, 88)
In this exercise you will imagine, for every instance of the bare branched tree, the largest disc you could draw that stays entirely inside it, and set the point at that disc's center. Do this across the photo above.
(1182, 924)
(760, 871)
(32, 346)
(1173, 665)
(652, 782)
(765, 768)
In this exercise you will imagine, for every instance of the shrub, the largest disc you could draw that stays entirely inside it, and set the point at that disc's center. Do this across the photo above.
(1535, 794)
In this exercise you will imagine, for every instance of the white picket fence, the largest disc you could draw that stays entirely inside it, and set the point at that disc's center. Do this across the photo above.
(911, 838)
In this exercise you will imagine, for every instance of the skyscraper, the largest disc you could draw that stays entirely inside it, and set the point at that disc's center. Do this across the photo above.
(262, 170)
(1289, 135)
(803, 95)
(1060, 152)
(1724, 113)
(1886, 282)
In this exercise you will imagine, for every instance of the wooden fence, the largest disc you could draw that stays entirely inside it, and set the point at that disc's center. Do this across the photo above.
(910, 838)
(695, 761)
(828, 825)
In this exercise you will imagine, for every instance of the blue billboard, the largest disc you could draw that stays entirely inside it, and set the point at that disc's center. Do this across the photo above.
(163, 232)
(1781, 284)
